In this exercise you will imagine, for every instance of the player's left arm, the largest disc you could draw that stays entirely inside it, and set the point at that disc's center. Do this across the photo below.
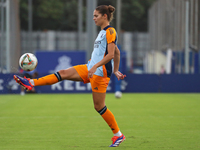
(116, 59)
(117, 73)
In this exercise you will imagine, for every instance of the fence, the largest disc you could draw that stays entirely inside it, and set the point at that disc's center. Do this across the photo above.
(167, 24)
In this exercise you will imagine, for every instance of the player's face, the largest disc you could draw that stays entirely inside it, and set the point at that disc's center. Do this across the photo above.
(98, 18)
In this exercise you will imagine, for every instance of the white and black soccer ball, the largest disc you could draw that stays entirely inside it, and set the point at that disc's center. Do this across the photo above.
(118, 94)
(28, 62)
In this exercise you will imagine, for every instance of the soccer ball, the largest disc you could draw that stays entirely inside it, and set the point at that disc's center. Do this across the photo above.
(118, 94)
(28, 62)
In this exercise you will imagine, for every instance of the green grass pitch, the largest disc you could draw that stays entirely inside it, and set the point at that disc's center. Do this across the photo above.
(69, 121)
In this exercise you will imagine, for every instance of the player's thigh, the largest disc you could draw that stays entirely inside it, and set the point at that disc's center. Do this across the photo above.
(98, 100)
(70, 74)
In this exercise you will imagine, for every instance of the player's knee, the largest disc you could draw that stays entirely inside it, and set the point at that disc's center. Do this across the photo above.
(64, 74)
(61, 72)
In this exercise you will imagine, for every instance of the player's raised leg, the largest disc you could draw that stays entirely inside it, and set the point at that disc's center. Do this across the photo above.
(67, 74)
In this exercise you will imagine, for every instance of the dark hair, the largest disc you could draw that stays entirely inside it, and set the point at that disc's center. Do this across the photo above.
(108, 10)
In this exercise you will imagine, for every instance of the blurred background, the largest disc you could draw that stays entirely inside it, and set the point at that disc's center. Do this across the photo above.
(156, 37)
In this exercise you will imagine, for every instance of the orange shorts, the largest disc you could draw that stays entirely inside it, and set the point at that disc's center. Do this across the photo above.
(99, 84)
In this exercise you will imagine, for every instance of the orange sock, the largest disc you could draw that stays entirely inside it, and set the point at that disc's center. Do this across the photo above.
(109, 118)
(47, 80)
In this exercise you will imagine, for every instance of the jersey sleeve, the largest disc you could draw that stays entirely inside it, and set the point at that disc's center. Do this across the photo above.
(111, 35)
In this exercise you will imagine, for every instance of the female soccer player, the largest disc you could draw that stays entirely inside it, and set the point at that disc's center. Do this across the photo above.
(97, 71)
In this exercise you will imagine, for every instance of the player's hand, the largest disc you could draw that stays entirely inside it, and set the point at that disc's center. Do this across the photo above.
(119, 75)
(91, 72)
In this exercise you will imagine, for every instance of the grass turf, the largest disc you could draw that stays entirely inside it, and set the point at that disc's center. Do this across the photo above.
(69, 121)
